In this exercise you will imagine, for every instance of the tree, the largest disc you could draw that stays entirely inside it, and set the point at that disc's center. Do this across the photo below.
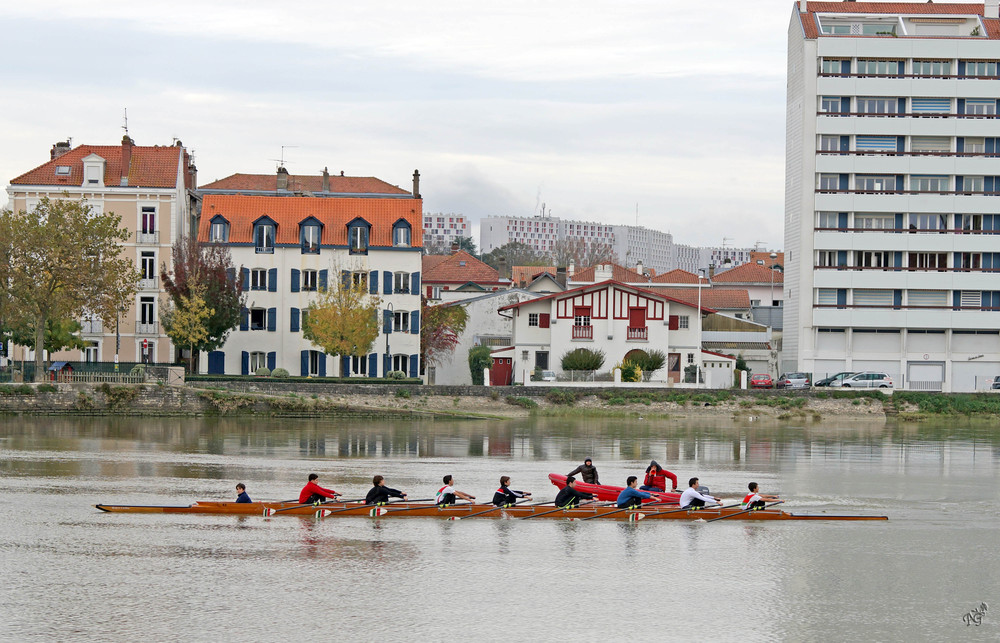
(480, 359)
(517, 254)
(343, 320)
(467, 244)
(208, 269)
(649, 361)
(65, 261)
(187, 322)
(60, 334)
(582, 359)
(440, 329)
(581, 252)
(7, 310)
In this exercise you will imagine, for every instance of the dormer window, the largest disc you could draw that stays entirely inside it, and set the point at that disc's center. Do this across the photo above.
(62, 170)
(401, 233)
(310, 233)
(219, 232)
(357, 236)
(263, 236)
(93, 170)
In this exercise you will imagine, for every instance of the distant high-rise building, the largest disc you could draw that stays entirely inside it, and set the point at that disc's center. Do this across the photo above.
(441, 230)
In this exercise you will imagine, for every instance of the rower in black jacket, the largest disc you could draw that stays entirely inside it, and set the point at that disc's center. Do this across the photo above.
(505, 496)
(568, 497)
(380, 494)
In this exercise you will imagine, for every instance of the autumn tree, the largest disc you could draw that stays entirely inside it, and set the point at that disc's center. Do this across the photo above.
(66, 261)
(7, 310)
(343, 320)
(187, 322)
(206, 269)
(60, 334)
(440, 329)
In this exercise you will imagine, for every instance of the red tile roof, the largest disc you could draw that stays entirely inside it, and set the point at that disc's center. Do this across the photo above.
(676, 276)
(288, 211)
(618, 273)
(663, 293)
(734, 299)
(461, 268)
(766, 258)
(149, 167)
(429, 261)
(527, 274)
(749, 273)
(903, 8)
(302, 183)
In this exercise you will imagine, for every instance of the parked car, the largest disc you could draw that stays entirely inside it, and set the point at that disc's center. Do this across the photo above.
(793, 380)
(865, 379)
(548, 376)
(996, 382)
(828, 381)
(761, 380)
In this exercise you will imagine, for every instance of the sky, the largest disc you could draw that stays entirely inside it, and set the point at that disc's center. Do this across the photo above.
(669, 114)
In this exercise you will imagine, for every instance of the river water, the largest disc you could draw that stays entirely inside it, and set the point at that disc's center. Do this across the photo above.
(72, 573)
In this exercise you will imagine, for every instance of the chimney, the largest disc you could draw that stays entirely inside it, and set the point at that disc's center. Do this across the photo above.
(59, 149)
(454, 248)
(326, 180)
(638, 268)
(282, 178)
(416, 184)
(502, 268)
(193, 175)
(991, 9)
(561, 276)
(803, 6)
(711, 270)
(127, 144)
(571, 270)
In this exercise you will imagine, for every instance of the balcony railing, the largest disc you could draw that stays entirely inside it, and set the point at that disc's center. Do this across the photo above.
(149, 283)
(635, 332)
(583, 332)
(264, 250)
(147, 328)
(147, 238)
(91, 327)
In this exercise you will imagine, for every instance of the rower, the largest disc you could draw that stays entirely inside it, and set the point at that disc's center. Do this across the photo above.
(568, 497)
(656, 478)
(692, 498)
(630, 497)
(448, 495)
(587, 470)
(754, 500)
(505, 496)
(312, 492)
(380, 494)
(241, 489)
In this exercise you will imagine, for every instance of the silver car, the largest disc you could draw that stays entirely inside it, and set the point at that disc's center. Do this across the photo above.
(865, 379)
(793, 380)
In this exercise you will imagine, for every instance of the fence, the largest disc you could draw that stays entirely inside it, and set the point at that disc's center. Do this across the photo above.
(91, 372)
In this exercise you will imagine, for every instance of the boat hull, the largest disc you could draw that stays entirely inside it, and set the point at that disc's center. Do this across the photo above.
(609, 493)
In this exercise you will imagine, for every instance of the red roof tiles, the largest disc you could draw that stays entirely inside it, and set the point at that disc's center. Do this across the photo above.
(733, 299)
(148, 167)
(811, 30)
(676, 276)
(527, 274)
(301, 183)
(749, 273)
(461, 268)
(618, 273)
(288, 211)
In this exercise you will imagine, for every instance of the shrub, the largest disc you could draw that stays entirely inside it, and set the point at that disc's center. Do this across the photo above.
(648, 361)
(525, 402)
(558, 396)
(47, 388)
(397, 375)
(403, 393)
(630, 371)
(279, 372)
(479, 359)
(582, 359)
(263, 371)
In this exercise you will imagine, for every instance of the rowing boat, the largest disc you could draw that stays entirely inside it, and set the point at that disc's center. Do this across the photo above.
(609, 493)
(457, 512)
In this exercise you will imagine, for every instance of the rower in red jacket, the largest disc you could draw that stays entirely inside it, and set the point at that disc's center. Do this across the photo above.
(312, 492)
(656, 478)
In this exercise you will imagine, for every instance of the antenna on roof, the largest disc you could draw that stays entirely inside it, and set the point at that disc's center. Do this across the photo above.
(125, 125)
(281, 161)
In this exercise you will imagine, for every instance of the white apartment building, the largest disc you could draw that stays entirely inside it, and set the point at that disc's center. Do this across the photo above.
(891, 189)
(441, 230)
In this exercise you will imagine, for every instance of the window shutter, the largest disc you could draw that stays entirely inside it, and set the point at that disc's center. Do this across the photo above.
(272, 360)
(415, 322)
(373, 282)
(345, 365)
(543, 320)
(960, 144)
(345, 279)
(216, 363)
(294, 320)
(246, 278)
(674, 322)
(414, 365)
(845, 143)
(841, 297)
(842, 220)
(230, 276)
(244, 363)
(961, 68)
(959, 183)
(272, 280)
(844, 181)
(304, 363)
(386, 365)
(244, 318)
(323, 275)
(373, 365)
(272, 319)
(386, 322)
(961, 105)
(296, 276)
(322, 365)
(415, 283)
(386, 282)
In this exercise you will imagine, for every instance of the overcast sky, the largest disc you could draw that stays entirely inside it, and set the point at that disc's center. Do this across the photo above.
(593, 108)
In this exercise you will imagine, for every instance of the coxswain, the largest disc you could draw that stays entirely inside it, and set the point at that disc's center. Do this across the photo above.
(312, 492)
(754, 500)
(380, 494)
(656, 478)
(587, 471)
(631, 497)
(448, 495)
(568, 497)
(505, 496)
(691, 498)
(241, 489)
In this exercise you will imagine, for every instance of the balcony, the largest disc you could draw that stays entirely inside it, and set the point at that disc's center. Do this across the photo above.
(635, 333)
(91, 327)
(264, 250)
(147, 328)
(583, 332)
(149, 283)
(147, 238)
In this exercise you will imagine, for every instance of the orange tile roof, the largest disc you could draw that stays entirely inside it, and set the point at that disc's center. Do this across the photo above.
(527, 274)
(655, 292)
(301, 183)
(288, 211)
(749, 273)
(676, 276)
(618, 273)
(766, 258)
(811, 30)
(429, 261)
(461, 268)
(729, 299)
(150, 167)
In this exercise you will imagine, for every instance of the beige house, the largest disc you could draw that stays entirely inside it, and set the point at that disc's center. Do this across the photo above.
(150, 187)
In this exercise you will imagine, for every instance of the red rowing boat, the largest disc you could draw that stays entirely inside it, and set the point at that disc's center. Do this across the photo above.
(609, 493)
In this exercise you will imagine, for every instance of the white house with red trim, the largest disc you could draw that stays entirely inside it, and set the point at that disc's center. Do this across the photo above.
(609, 316)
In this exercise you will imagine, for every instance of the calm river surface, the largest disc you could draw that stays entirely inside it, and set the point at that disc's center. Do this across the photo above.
(70, 572)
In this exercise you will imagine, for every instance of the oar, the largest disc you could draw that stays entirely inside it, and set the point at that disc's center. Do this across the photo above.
(379, 511)
(611, 513)
(271, 512)
(675, 511)
(545, 513)
(744, 512)
(487, 511)
(329, 512)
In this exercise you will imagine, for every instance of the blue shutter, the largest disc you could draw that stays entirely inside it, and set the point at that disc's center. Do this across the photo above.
(989, 183)
(900, 143)
(415, 283)
(988, 260)
(216, 363)
(386, 322)
(386, 365)
(323, 279)
(345, 365)
(898, 223)
(322, 365)
(845, 66)
(901, 106)
(272, 360)
(899, 184)
(961, 106)
(246, 278)
(961, 68)
(373, 365)
(845, 143)
(842, 220)
(245, 363)
(956, 299)
(845, 104)
(844, 182)
(272, 280)
(345, 278)
(841, 258)
(272, 319)
(295, 279)
(960, 144)
(897, 299)
(386, 282)
(841, 297)
(414, 365)
(959, 183)
(991, 145)
(304, 362)
(294, 320)
(415, 322)
(373, 282)
(244, 318)
(897, 259)
(230, 276)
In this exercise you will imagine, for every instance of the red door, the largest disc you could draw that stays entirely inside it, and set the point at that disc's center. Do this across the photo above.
(500, 374)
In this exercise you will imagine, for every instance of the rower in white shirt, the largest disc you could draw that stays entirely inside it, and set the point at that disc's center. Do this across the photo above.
(691, 498)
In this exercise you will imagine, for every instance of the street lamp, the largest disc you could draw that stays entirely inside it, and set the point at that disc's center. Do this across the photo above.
(697, 375)
(388, 330)
(774, 256)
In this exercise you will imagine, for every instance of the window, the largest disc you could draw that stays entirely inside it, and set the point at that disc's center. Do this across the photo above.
(148, 220)
(981, 68)
(975, 145)
(401, 283)
(309, 236)
(690, 358)
(875, 143)
(359, 279)
(263, 238)
(147, 265)
(870, 297)
(874, 221)
(314, 362)
(874, 183)
(879, 105)
(930, 105)
(309, 280)
(826, 296)
(969, 222)
(257, 360)
(926, 298)
(401, 363)
(928, 221)
(258, 319)
(980, 106)
(834, 65)
(826, 220)
(832, 105)
(533, 320)
(93, 174)
(400, 321)
(683, 321)
(358, 238)
(874, 259)
(930, 144)
(932, 68)
(826, 258)
(829, 181)
(91, 352)
(973, 184)
(928, 260)
(829, 143)
(258, 279)
(879, 67)
(542, 360)
(359, 364)
(146, 309)
(219, 232)
(930, 183)
(401, 234)
(581, 316)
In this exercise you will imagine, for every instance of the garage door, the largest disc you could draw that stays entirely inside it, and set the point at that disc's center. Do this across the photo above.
(964, 375)
(924, 376)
